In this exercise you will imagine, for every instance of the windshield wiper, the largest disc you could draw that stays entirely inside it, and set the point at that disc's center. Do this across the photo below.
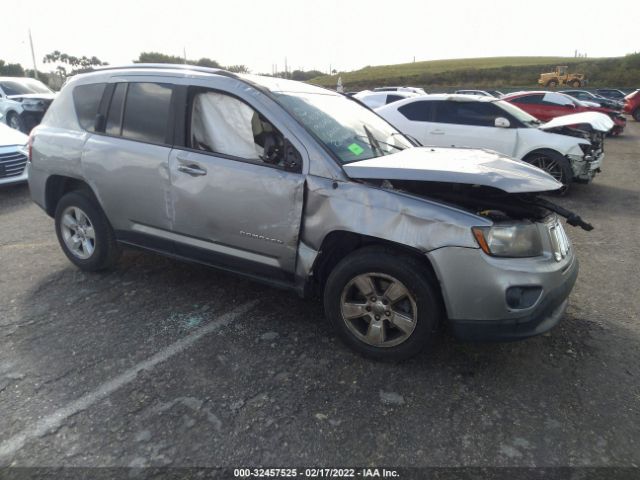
(378, 142)
(373, 141)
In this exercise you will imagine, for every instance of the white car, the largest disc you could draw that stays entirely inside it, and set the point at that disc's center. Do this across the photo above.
(447, 120)
(482, 93)
(23, 102)
(13, 155)
(418, 90)
(378, 99)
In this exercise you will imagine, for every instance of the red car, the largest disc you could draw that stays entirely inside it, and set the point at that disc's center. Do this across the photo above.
(547, 105)
(632, 105)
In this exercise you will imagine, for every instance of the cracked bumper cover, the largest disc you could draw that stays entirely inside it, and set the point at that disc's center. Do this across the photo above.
(474, 291)
(584, 170)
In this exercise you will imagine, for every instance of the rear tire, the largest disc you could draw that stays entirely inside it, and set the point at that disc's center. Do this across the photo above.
(636, 114)
(396, 318)
(575, 83)
(555, 165)
(84, 233)
(552, 83)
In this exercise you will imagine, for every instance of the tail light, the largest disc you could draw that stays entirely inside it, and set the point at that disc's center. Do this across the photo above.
(30, 148)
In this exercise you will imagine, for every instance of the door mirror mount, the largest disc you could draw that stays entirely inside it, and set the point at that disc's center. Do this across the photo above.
(292, 158)
(502, 122)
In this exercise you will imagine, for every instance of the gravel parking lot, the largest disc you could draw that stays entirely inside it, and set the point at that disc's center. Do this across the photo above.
(164, 363)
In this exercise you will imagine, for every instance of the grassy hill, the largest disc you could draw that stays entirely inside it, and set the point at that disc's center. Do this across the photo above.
(490, 72)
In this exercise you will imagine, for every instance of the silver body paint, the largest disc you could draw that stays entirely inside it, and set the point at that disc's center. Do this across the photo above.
(278, 219)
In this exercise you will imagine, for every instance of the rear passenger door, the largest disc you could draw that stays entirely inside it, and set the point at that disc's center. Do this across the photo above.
(416, 119)
(127, 159)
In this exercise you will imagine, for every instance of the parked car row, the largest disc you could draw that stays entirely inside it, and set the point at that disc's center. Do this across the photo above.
(548, 105)
(445, 120)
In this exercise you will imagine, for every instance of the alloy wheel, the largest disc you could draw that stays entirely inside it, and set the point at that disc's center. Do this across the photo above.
(378, 309)
(78, 233)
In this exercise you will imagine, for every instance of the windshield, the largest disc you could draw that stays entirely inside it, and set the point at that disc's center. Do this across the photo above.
(23, 87)
(518, 113)
(351, 131)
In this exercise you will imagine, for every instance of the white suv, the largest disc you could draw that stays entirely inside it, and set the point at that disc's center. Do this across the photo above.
(447, 120)
(23, 102)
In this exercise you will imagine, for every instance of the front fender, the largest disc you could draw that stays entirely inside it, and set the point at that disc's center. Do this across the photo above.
(389, 215)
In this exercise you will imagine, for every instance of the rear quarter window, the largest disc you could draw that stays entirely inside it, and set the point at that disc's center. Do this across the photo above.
(61, 113)
(86, 99)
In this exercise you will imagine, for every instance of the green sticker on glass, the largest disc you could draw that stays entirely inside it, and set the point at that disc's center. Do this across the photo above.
(356, 149)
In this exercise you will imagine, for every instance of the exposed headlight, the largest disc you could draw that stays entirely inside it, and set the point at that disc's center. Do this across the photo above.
(32, 105)
(585, 147)
(514, 240)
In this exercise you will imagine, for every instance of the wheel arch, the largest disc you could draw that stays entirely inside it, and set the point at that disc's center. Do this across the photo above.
(540, 149)
(337, 244)
(59, 185)
(7, 115)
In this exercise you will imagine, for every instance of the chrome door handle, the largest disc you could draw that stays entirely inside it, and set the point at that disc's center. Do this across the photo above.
(192, 170)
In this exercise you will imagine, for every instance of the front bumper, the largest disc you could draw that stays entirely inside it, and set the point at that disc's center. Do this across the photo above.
(13, 166)
(584, 170)
(474, 288)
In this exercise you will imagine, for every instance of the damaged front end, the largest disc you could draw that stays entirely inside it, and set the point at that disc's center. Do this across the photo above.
(588, 163)
(590, 126)
(488, 202)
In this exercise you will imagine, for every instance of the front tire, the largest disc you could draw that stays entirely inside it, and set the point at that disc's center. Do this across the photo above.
(636, 114)
(555, 165)
(575, 83)
(552, 83)
(381, 304)
(84, 233)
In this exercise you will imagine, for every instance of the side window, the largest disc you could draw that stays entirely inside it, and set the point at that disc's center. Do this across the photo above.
(479, 114)
(421, 111)
(86, 99)
(394, 98)
(226, 125)
(529, 100)
(556, 99)
(140, 111)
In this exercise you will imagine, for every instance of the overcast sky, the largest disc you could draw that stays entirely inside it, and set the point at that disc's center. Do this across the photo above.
(315, 34)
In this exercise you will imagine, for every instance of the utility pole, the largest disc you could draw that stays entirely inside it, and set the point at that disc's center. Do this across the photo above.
(184, 54)
(286, 68)
(33, 56)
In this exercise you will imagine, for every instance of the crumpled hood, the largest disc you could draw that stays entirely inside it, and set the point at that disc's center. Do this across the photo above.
(598, 121)
(456, 165)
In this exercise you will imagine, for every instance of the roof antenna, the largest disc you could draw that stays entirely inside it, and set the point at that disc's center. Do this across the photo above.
(33, 57)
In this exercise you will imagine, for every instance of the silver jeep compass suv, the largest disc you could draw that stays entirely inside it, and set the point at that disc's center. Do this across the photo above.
(306, 189)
